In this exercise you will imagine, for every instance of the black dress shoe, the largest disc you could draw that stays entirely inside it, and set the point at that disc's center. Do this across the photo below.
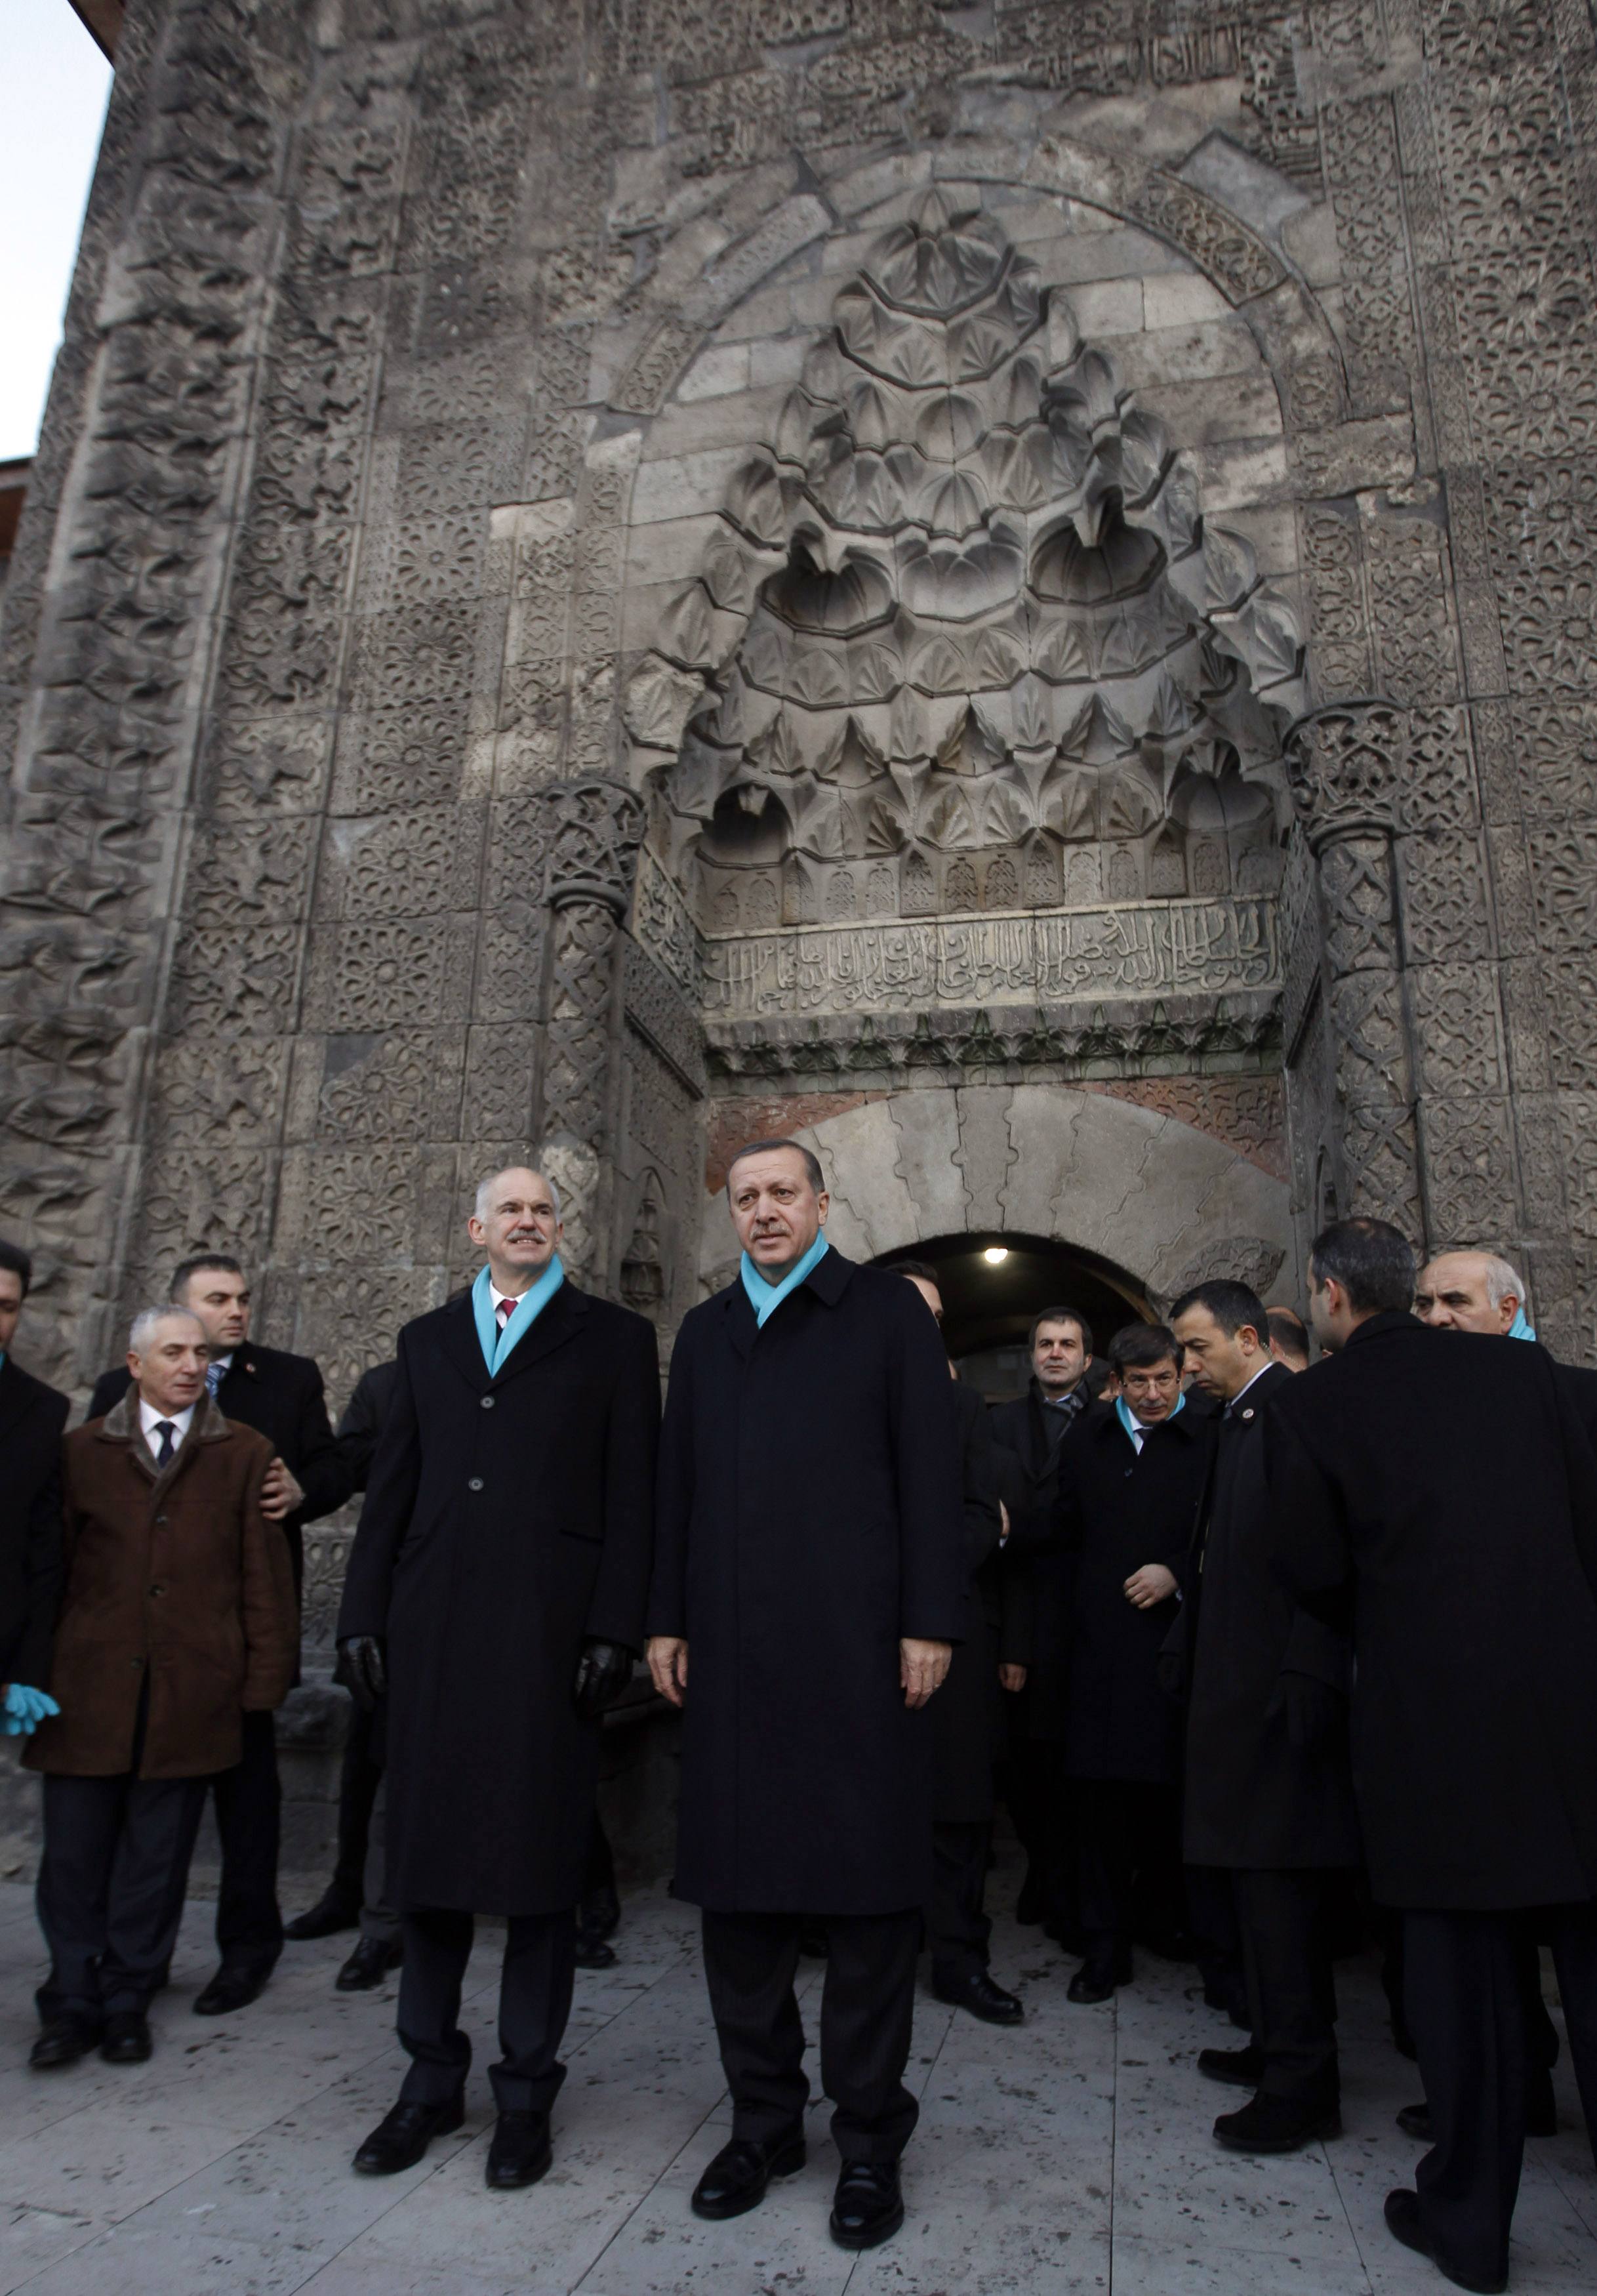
(983, 1998)
(62, 2042)
(1097, 1979)
(1242, 2068)
(1414, 2120)
(332, 1913)
(735, 2180)
(1403, 2222)
(1277, 2124)
(1540, 2117)
(234, 1986)
(373, 1958)
(592, 1952)
(520, 2152)
(868, 2207)
(401, 2136)
(126, 2040)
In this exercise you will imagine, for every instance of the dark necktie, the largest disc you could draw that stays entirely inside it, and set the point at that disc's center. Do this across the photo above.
(167, 1429)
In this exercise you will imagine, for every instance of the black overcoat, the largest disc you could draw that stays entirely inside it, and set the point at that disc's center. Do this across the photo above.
(362, 1424)
(967, 1713)
(1117, 1510)
(1040, 1571)
(1253, 1798)
(506, 1521)
(32, 1559)
(1433, 1485)
(282, 1396)
(810, 1516)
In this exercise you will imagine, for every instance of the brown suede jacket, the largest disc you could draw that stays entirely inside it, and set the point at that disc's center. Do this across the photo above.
(176, 1577)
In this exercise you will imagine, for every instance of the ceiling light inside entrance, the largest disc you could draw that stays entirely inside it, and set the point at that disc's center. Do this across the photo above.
(995, 1254)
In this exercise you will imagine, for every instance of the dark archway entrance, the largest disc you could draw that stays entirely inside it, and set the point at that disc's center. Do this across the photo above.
(988, 1305)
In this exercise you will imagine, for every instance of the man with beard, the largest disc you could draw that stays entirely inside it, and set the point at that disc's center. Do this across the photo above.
(1269, 1796)
(496, 1592)
(1439, 1494)
(811, 1568)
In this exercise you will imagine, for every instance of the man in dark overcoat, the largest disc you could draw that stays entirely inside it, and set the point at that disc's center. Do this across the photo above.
(1438, 1490)
(809, 1584)
(1028, 1430)
(33, 1418)
(178, 1620)
(496, 1593)
(1129, 1479)
(1268, 1790)
(280, 1395)
(967, 1723)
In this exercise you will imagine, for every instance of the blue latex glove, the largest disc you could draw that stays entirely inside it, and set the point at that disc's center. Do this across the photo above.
(25, 1709)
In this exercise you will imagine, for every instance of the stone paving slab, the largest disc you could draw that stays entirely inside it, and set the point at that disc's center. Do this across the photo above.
(1071, 2158)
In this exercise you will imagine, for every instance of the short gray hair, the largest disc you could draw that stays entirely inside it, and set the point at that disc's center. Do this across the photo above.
(145, 1322)
(484, 1201)
(1502, 1278)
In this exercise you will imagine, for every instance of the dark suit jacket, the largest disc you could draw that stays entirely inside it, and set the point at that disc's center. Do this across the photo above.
(1253, 1798)
(363, 1421)
(1433, 1488)
(1040, 1575)
(32, 1571)
(280, 1395)
(507, 1519)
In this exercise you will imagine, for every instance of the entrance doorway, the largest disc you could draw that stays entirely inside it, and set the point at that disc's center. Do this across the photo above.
(994, 1286)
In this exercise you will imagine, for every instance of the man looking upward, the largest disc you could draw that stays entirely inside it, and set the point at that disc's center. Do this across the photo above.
(810, 1582)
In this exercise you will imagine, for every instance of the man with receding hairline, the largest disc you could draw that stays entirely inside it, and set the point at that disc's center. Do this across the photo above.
(495, 1596)
(809, 1585)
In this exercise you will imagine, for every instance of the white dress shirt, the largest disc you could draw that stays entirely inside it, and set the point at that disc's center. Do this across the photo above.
(151, 1421)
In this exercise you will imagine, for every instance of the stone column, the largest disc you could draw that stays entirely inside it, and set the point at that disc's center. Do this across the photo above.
(592, 829)
(1347, 766)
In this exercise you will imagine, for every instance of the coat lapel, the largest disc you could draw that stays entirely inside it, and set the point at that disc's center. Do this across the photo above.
(462, 1345)
(560, 1321)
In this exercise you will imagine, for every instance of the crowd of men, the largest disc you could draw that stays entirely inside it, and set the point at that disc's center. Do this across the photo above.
(1264, 1657)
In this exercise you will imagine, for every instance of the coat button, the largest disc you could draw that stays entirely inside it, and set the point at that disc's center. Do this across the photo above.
(487, 1402)
(158, 1590)
(475, 1484)
(160, 1521)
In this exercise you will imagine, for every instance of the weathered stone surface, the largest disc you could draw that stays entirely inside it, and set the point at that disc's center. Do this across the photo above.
(592, 571)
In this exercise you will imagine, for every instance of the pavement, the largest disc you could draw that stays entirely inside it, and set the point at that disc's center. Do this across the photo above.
(1073, 2155)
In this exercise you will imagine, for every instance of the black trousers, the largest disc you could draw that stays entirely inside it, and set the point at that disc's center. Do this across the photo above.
(1128, 1855)
(867, 2008)
(1039, 1794)
(1291, 1988)
(360, 1777)
(957, 1927)
(1216, 1939)
(248, 1821)
(111, 1889)
(535, 2002)
(1464, 1992)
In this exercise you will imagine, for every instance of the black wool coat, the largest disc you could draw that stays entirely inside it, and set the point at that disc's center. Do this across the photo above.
(32, 1559)
(1253, 1799)
(363, 1421)
(1117, 1510)
(810, 1515)
(282, 1396)
(1041, 1573)
(967, 1713)
(507, 1520)
(1433, 1488)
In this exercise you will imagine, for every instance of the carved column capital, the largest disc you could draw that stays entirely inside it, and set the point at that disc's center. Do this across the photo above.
(592, 829)
(1345, 765)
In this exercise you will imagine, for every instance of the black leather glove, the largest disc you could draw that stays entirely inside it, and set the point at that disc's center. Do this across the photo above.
(1172, 1673)
(1316, 1713)
(603, 1671)
(362, 1669)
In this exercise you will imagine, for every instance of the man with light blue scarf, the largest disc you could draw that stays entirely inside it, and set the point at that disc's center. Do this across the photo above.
(495, 1591)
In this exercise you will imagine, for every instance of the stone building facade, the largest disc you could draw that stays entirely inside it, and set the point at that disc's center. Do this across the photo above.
(1009, 585)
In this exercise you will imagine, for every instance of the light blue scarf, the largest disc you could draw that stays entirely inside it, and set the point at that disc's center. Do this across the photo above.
(1520, 1329)
(766, 1297)
(1122, 1412)
(496, 1344)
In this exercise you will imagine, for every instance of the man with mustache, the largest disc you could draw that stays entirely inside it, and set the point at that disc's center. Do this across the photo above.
(496, 1593)
(809, 1584)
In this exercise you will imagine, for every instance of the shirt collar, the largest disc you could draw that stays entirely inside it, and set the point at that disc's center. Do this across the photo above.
(1266, 1366)
(149, 1419)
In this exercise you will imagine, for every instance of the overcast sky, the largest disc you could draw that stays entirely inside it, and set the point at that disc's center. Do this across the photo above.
(56, 84)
